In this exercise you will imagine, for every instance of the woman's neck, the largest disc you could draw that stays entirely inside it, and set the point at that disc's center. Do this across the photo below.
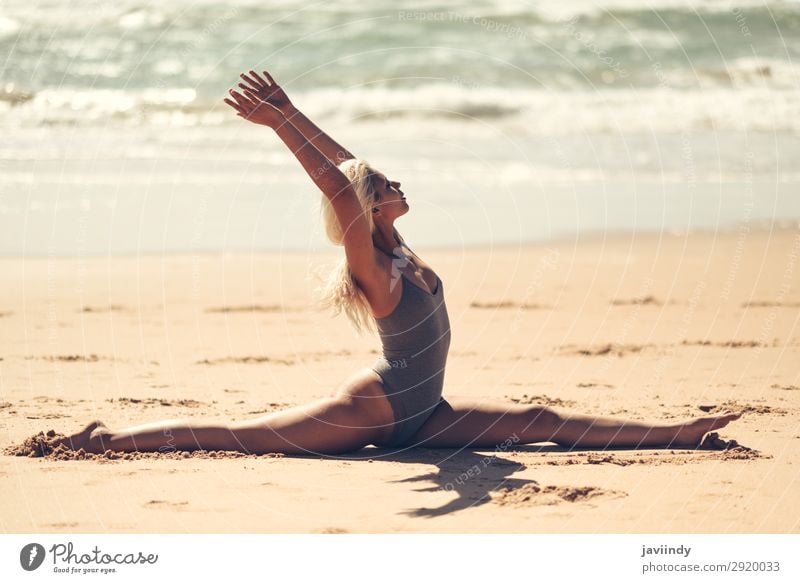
(384, 238)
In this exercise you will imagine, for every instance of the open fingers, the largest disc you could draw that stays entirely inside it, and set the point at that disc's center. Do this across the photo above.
(244, 88)
(242, 100)
(269, 78)
(257, 76)
(257, 84)
(244, 107)
(252, 97)
(234, 105)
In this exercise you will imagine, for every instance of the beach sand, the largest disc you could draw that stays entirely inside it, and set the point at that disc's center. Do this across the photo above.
(644, 326)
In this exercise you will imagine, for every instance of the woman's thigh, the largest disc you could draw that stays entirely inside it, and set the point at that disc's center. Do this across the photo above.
(365, 389)
(353, 417)
(465, 421)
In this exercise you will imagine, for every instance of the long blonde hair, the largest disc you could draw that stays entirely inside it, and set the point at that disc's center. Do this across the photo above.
(341, 291)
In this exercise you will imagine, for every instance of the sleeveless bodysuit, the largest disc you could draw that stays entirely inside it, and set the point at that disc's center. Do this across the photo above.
(415, 339)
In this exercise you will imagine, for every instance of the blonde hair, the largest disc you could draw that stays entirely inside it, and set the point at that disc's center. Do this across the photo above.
(340, 291)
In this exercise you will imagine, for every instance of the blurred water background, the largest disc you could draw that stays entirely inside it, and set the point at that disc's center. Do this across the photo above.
(506, 121)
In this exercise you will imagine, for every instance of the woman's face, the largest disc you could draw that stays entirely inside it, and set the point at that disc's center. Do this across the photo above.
(390, 200)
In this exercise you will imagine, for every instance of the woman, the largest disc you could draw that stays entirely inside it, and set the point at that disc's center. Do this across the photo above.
(381, 284)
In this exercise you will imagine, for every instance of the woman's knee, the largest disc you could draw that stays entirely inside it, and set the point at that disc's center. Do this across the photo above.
(544, 417)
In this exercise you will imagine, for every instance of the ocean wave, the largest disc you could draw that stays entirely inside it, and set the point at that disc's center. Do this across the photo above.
(492, 61)
(556, 10)
(192, 43)
(533, 112)
(12, 95)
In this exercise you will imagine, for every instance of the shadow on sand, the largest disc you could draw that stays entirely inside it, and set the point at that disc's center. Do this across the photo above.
(470, 473)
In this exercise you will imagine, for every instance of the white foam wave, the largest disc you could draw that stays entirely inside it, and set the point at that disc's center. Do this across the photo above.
(531, 111)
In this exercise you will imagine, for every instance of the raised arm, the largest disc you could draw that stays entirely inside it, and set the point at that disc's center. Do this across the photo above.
(266, 89)
(331, 181)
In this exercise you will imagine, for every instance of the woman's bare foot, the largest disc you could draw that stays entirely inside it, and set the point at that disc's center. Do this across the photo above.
(691, 433)
(90, 438)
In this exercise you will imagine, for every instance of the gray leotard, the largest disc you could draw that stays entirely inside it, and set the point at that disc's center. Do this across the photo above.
(415, 338)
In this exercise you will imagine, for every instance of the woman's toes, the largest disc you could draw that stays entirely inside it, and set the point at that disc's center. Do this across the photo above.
(723, 420)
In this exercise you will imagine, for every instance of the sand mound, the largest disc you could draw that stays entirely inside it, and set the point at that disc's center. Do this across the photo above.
(535, 495)
(730, 449)
(737, 407)
(712, 448)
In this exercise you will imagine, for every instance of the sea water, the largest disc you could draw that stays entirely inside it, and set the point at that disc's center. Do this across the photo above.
(504, 121)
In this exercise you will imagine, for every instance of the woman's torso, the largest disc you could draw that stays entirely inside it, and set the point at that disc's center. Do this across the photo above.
(418, 327)
(406, 263)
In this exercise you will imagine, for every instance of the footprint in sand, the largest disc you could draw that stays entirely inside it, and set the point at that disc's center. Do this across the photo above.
(71, 358)
(103, 309)
(594, 385)
(770, 304)
(785, 387)
(268, 308)
(166, 504)
(149, 402)
(645, 301)
(246, 360)
(605, 349)
(724, 344)
(300, 356)
(506, 305)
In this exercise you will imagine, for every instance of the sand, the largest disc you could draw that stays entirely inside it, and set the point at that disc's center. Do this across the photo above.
(659, 327)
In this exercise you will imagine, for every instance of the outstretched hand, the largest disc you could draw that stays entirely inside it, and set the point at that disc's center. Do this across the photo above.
(266, 90)
(251, 108)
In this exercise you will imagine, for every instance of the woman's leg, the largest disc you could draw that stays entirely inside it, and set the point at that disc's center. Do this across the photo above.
(460, 422)
(356, 416)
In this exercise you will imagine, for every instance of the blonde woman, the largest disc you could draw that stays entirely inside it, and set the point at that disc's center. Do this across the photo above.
(380, 285)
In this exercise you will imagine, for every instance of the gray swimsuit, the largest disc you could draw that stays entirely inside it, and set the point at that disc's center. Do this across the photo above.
(415, 338)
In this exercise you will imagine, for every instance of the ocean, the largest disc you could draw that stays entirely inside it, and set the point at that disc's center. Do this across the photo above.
(506, 122)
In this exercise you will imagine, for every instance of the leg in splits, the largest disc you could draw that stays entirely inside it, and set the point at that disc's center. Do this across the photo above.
(462, 422)
(357, 415)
